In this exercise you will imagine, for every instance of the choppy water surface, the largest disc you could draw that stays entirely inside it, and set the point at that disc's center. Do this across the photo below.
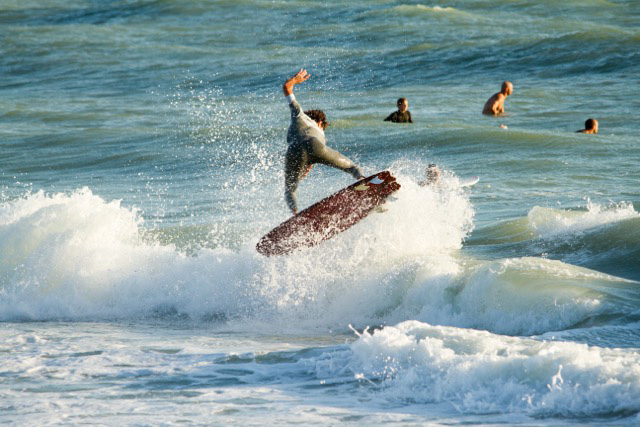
(141, 161)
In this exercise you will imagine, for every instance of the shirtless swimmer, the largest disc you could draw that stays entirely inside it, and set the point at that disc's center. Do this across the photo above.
(495, 105)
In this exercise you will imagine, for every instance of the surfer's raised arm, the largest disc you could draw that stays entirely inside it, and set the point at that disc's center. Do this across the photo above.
(300, 77)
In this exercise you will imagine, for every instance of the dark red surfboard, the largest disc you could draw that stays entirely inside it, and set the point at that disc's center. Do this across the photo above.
(329, 216)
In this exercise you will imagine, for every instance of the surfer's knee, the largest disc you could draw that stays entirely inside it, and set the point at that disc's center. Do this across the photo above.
(290, 198)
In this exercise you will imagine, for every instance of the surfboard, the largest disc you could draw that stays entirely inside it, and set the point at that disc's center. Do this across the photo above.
(330, 216)
(469, 181)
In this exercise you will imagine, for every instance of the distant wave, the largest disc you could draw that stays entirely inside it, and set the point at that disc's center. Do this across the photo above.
(606, 238)
(447, 10)
(95, 15)
(551, 222)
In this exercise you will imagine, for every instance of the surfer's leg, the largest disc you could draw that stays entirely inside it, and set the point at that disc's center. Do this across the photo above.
(325, 155)
(296, 163)
(290, 187)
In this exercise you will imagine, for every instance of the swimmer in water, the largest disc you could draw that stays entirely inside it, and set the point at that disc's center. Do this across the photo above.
(402, 115)
(432, 174)
(590, 126)
(495, 105)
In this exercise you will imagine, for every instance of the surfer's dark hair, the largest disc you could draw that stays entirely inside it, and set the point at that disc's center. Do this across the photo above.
(318, 116)
(401, 100)
(590, 124)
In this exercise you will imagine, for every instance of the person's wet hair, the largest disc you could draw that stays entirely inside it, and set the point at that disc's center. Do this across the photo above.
(432, 172)
(318, 116)
(590, 124)
(401, 101)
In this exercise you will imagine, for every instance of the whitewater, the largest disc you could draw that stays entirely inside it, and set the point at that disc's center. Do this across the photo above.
(142, 159)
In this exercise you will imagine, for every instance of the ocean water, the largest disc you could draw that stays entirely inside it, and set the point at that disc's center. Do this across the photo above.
(141, 159)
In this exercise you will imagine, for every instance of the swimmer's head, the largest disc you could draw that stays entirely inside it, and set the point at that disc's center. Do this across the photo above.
(403, 105)
(319, 117)
(507, 88)
(591, 124)
(433, 173)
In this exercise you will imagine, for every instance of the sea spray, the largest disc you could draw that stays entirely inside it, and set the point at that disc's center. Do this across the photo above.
(77, 256)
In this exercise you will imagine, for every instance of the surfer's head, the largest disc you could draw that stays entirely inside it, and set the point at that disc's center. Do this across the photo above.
(319, 117)
(403, 105)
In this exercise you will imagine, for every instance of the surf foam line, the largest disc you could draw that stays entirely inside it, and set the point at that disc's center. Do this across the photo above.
(477, 372)
(549, 223)
(603, 238)
(517, 296)
(75, 256)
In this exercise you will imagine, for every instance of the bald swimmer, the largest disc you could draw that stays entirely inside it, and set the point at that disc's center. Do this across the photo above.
(307, 144)
(495, 105)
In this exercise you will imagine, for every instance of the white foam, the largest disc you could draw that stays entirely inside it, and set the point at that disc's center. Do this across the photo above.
(482, 373)
(516, 296)
(548, 222)
(77, 256)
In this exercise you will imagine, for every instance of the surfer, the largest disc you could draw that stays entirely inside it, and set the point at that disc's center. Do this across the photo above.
(495, 105)
(590, 126)
(403, 115)
(307, 144)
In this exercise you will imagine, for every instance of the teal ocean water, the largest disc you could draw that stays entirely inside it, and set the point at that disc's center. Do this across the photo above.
(141, 159)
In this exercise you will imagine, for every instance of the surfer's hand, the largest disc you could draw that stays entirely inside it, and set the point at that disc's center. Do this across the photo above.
(301, 76)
